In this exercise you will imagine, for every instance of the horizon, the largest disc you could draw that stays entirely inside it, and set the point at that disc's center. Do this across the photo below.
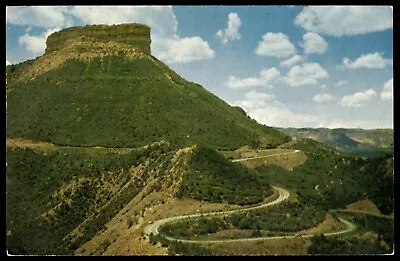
(296, 73)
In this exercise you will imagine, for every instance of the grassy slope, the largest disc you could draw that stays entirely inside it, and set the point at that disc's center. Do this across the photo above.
(212, 177)
(117, 102)
(382, 243)
(379, 137)
(50, 193)
(341, 179)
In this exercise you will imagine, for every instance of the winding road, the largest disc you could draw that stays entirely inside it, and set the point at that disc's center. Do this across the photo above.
(283, 195)
(153, 228)
(266, 156)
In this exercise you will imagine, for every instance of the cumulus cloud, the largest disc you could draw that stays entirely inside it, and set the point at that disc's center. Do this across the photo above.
(387, 93)
(276, 114)
(266, 78)
(314, 43)
(8, 63)
(161, 19)
(255, 95)
(36, 44)
(362, 124)
(341, 83)
(40, 16)
(265, 109)
(345, 20)
(369, 60)
(183, 50)
(232, 31)
(275, 44)
(305, 74)
(323, 97)
(166, 43)
(291, 61)
(358, 99)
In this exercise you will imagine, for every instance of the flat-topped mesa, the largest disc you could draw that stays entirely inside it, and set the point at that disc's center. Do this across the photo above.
(135, 35)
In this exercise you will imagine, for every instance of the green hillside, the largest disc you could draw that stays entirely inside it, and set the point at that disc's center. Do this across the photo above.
(50, 193)
(212, 177)
(333, 180)
(119, 101)
(357, 142)
(103, 140)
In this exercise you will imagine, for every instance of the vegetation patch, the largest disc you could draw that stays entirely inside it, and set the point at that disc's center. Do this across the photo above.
(333, 180)
(275, 221)
(50, 193)
(211, 177)
(116, 101)
(321, 245)
(365, 206)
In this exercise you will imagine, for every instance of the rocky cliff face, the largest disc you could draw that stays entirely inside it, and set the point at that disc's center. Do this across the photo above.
(136, 36)
(85, 43)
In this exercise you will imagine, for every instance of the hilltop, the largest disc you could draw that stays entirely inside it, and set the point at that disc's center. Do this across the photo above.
(100, 86)
(358, 142)
(100, 131)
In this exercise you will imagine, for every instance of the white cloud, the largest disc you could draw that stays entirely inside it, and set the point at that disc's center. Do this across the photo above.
(266, 78)
(166, 43)
(291, 61)
(182, 50)
(305, 74)
(275, 44)
(387, 93)
(358, 99)
(345, 20)
(40, 16)
(314, 43)
(369, 60)
(8, 63)
(161, 19)
(232, 31)
(276, 114)
(341, 83)
(255, 95)
(363, 124)
(323, 97)
(266, 110)
(36, 44)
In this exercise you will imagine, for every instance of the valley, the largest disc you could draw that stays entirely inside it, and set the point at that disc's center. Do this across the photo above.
(111, 152)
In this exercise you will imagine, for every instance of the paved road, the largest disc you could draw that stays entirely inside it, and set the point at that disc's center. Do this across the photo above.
(283, 195)
(273, 155)
(153, 228)
(364, 212)
(349, 228)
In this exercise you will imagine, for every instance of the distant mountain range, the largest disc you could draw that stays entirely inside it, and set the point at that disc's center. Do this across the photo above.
(361, 142)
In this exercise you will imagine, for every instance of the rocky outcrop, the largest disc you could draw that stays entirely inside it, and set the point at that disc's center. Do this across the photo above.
(136, 36)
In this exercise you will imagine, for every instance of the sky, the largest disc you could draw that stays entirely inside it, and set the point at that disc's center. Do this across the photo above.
(286, 66)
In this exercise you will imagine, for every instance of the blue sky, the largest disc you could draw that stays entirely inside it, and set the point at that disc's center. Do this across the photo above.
(287, 66)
